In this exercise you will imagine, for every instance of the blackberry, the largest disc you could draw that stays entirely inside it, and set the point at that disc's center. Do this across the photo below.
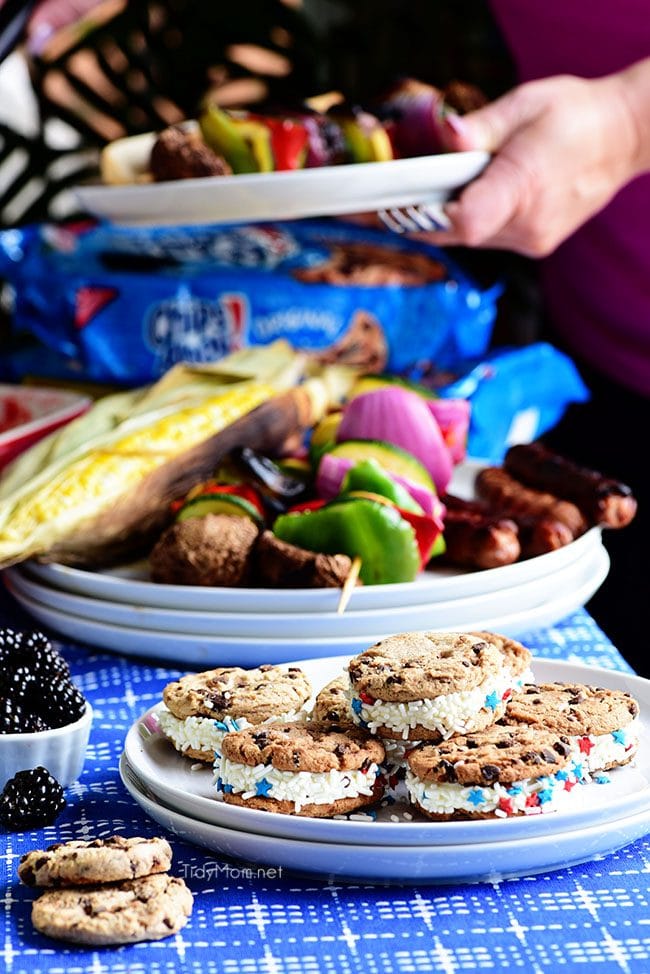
(33, 723)
(46, 664)
(11, 716)
(10, 642)
(19, 683)
(30, 800)
(39, 655)
(63, 705)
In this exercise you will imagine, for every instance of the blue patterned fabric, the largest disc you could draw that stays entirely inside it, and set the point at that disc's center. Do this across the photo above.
(594, 916)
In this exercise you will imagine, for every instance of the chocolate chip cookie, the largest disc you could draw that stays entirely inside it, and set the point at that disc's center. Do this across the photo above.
(310, 769)
(332, 704)
(148, 908)
(78, 863)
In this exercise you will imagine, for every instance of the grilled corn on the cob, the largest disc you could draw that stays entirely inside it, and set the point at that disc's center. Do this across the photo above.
(100, 477)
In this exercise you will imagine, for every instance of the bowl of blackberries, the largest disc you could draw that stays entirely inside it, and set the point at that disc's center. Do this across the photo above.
(44, 728)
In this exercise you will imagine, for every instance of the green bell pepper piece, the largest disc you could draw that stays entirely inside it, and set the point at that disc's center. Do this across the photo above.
(355, 526)
(370, 476)
(225, 136)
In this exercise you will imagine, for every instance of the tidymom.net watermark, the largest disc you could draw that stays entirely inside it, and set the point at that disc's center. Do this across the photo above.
(212, 870)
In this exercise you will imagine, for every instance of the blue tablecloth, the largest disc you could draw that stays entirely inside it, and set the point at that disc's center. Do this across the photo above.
(597, 914)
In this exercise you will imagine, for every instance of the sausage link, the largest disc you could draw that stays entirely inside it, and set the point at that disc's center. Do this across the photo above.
(603, 500)
(502, 492)
(476, 540)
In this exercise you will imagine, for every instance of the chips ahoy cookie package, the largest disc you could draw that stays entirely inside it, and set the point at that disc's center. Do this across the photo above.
(121, 305)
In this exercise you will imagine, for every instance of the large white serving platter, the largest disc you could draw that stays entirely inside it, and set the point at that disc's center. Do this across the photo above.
(295, 625)
(448, 864)
(198, 651)
(130, 584)
(325, 191)
(186, 787)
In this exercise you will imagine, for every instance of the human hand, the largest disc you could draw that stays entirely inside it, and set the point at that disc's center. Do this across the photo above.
(562, 148)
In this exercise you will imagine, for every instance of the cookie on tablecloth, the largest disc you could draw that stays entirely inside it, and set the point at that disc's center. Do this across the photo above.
(602, 724)
(80, 862)
(496, 773)
(428, 686)
(202, 707)
(147, 908)
(309, 769)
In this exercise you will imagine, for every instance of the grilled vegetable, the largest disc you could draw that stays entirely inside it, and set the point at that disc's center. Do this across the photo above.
(106, 499)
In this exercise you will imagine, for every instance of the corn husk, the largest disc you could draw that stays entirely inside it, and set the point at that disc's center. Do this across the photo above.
(99, 490)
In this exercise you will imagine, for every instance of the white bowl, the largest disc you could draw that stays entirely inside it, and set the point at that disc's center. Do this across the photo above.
(61, 750)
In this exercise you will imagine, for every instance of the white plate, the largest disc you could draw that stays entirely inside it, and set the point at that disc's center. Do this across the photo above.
(319, 625)
(464, 863)
(171, 779)
(206, 651)
(326, 191)
(130, 584)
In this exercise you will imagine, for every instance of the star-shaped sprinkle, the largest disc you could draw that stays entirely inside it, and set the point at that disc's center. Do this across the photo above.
(356, 705)
(226, 789)
(562, 775)
(619, 736)
(569, 784)
(532, 801)
(476, 796)
(585, 745)
(578, 770)
(492, 700)
(545, 795)
(219, 784)
(515, 790)
(601, 778)
(505, 804)
(263, 787)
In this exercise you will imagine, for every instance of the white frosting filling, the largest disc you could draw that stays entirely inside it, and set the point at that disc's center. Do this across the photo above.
(207, 733)
(451, 713)
(596, 751)
(529, 797)
(300, 787)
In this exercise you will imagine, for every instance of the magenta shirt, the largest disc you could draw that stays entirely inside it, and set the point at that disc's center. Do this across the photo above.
(597, 283)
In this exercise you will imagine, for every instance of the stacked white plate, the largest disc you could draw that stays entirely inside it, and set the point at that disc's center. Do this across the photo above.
(122, 610)
(179, 794)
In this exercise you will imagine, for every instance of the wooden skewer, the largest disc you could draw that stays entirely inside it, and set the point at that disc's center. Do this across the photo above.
(349, 584)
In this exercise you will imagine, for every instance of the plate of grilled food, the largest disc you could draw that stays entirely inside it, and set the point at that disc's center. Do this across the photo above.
(183, 531)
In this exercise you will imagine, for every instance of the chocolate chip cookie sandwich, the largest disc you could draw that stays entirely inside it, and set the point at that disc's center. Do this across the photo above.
(305, 768)
(201, 708)
(602, 725)
(427, 686)
(496, 773)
